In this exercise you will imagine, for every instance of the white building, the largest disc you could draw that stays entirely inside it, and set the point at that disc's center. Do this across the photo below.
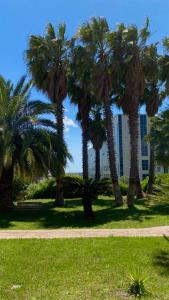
(122, 149)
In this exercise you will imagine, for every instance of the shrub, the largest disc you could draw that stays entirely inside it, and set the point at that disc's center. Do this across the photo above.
(72, 186)
(19, 187)
(162, 179)
(144, 184)
(46, 189)
(137, 286)
(106, 188)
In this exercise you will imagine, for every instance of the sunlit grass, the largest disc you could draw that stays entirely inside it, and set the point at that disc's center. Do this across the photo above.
(92, 269)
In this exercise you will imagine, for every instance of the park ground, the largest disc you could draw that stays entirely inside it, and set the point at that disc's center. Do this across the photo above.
(146, 213)
(89, 269)
(84, 269)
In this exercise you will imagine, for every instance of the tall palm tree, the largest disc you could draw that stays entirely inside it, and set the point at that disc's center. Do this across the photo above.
(79, 88)
(132, 44)
(95, 36)
(47, 62)
(97, 134)
(28, 142)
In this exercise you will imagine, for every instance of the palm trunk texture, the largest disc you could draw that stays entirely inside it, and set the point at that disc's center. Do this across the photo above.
(111, 151)
(97, 164)
(86, 200)
(151, 170)
(60, 131)
(6, 202)
(134, 170)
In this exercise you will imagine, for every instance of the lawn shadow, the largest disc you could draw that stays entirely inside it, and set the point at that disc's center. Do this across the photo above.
(161, 260)
(72, 215)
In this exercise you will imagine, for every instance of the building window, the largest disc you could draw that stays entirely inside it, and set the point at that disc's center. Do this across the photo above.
(145, 165)
(158, 169)
(143, 133)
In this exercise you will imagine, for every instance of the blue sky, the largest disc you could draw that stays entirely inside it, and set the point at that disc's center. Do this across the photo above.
(20, 18)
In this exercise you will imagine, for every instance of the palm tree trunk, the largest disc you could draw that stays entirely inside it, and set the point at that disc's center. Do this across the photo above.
(97, 164)
(6, 201)
(134, 171)
(139, 192)
(111, 150)
(86, 200)
(151, 170)
(60, 131)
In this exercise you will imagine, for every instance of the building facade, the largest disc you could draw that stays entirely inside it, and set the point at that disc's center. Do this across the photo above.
(122, 149)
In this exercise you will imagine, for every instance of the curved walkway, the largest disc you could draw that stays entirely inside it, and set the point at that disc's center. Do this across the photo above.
(84, 233)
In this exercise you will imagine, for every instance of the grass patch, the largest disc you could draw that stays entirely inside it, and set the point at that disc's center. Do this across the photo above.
(92, 269)
(145, 214)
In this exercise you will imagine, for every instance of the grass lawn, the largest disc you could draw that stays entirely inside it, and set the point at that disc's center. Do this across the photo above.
(145, 214)
(81, 268)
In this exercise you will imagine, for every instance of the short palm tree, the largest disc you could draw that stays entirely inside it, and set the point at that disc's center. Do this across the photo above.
(95, 35)
(27, 142)
(79, 88)
(47, 62)
(97, 135)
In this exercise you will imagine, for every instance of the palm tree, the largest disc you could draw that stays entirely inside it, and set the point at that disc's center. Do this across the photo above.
(79, 88)
(27, 142)
(97, 134)
(153, 97)
(159, 137)
(164, 65)
(95, 36)
(47, 62)
(131, 42)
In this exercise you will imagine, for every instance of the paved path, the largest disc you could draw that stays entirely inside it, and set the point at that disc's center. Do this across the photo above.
(79, 233)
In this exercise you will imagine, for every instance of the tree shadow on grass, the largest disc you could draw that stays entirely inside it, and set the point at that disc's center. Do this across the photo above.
(161, 259)
(72, 215)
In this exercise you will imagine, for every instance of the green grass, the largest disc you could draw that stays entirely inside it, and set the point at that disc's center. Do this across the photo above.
(145, 214)
(89, 269)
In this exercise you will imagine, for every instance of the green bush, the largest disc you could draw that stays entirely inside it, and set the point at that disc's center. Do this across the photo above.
(137, 287)
(144, 184)
(42, 190)
(19, 187)
(106, 188)
(46, 189)
(73, 187)
(162, 179)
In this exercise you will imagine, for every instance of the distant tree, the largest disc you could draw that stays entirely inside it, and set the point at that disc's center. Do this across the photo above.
(97, 134)
(47, 62)
(159, 137)
(28, 142)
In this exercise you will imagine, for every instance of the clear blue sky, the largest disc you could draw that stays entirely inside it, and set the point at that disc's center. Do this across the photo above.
(19, 18)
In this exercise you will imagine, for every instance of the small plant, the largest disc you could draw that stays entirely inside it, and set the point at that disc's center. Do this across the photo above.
(137, 286)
